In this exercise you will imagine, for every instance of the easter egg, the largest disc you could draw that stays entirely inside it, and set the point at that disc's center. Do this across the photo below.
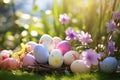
(63, 46)
(70, 56)
(28, 60)
(55, 58)
(109, 65)
(79, 66)
(10, 64)
(46, 40)
(4, 54)
(56, 40)
(41, 54)
(30, 46)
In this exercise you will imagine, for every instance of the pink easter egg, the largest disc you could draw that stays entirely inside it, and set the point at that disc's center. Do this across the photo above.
(4, 54)
(63, 46)
(30, 46)
(29, 60)
(56, 40)
(10, 64)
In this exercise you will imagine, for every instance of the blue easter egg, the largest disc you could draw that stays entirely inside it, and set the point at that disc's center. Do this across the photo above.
(109, 65)
(41, 54)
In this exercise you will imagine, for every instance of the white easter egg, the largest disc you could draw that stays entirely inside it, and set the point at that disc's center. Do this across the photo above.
(41, 54)
(70, 56)
(79, 66)
(56, 58)
(109, 64)
(46, 40)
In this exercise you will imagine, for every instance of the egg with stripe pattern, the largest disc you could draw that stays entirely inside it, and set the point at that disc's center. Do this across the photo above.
(63, 46)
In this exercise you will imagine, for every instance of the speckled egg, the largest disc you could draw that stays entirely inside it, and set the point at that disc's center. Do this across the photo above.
(70, 56)
(46, 40)
(30, 46)
(41, 54)
(29, 60)
(10, 64)
(56, 40)
(109, 65)
(79, 66)
(63, 46)
(56, 58)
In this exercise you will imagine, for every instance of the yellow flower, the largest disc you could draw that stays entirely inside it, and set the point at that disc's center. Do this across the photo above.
(20, 53)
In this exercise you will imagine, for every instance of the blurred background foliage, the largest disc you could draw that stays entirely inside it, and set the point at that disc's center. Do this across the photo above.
(23, 21)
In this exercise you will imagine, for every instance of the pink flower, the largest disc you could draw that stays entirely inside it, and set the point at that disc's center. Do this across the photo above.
(84, 38)
(71, 34)
(90, 57)
(64, 18)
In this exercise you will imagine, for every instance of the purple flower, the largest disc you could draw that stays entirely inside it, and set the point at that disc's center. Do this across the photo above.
(116, 15)
(111, 47)
(90, 57)
(111, 26)
(84, 38)
(64, 18)
(71, 34)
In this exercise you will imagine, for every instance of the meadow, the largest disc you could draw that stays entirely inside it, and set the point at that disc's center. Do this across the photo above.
(23, 75)
(86, 24)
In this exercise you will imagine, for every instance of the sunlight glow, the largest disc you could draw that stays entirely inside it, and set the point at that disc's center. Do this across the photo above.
(34, 33)
(25, 16)
(48, 12)
(84, 3)
(26, 26)
(24, 33)
(10, 37)
(6, 1)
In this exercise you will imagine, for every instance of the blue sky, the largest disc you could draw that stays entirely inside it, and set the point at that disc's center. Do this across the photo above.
(26, 5)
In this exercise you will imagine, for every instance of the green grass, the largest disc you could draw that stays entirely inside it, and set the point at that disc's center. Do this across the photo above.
(23, 75)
